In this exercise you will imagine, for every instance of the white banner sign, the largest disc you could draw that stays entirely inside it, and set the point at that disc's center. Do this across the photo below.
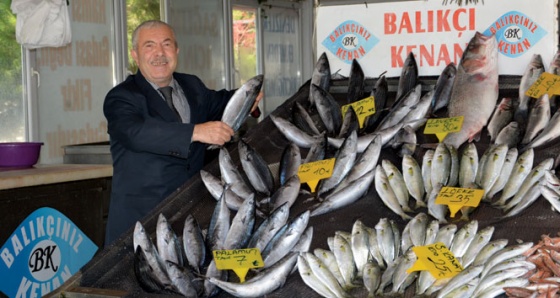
(381, 35)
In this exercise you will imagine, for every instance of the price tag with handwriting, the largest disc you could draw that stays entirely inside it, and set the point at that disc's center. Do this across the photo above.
(312, 172)
(238, 260)
(363, 109)
(437, 259)
(442, 126)
(456, 198)
(546, 83)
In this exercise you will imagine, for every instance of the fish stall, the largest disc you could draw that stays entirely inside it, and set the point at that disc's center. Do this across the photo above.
(437, 185)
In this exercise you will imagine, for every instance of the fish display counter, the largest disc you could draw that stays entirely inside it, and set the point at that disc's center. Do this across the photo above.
(112, 271)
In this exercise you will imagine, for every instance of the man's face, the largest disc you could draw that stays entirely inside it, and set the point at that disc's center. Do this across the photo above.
(156, 55)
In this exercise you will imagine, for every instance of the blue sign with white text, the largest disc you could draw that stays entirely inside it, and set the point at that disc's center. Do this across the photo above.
(42, 253)
(516, 33)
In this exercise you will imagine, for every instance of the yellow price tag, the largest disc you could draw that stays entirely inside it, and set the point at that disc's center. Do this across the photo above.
(437, 259)
(442, 126)
(547, 83)
(456, 198)
(363, 108)
(238, 260)
(312, 172)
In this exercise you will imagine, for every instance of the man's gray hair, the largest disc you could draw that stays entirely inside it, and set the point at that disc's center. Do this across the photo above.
(149, 24)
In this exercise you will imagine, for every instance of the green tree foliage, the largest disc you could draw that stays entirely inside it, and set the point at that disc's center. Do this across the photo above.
(137, 12)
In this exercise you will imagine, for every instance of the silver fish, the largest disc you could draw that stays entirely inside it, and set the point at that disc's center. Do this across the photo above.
(442, 89)
(438, 211)
(460, 279)
(396, 181)
(549, 133)
(454, 167)
(356, 82)
(324, 275)
(219, 226)
(359, 244)
(409, 76)
(193, 243)
(386, 193)
(446, 234)
(386, 240)
(365, 162)
(264, 282)
(345, 196)
(399, 111)
(293, 133)
(256, 168)
(238, 107)
(468, 166)
(167, 243)
(302, 120)
(480, 240)
(241, 225)
(311, 280)
(493, 166)
(371, 277)
(532, 72)
(400, 275)
(231, 176)
(489, 250)
(510, 135)
(345, 158)
(328, 109)
(529, 198)
(463, 238)
(286, 193)
(539, 116)
(285, 239)
(321, 75)
(534, 176)
(345, 260)
(269, 227)
(329, 260)
(304, 242)
(374, 248)
(521, 169)
(427, 170)
(350, 123)
(475, 88)
(141, 240)
(441, 165)
(181, 278)
(497, 289)
(412, 175)
(504, 254)
(289, 162)
(503, 114)
(418, 226)
(509, 163)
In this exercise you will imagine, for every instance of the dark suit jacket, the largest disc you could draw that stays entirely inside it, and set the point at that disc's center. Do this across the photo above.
(151, 150)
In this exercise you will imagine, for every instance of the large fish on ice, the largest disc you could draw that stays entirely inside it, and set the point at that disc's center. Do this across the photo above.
(475, 88)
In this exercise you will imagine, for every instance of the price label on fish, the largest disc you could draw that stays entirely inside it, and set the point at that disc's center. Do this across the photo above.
(442, 126)
(238, 260)
(456, 198)
(437, 259)
(363, 109)
(312, 172)
(546, 83)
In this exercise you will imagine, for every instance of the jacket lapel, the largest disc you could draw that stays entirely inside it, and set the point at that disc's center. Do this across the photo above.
(156, 104)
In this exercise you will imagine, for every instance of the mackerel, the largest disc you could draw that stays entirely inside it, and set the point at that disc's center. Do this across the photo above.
(193, 243)
(231, 176)
(269, 227)
(241, 225)
(238, 107)
(167, 243)
(255, 168)
(142, 240)
(293, 134)
(321, 75)
(344, 160)
(289, 162)
(285, 239)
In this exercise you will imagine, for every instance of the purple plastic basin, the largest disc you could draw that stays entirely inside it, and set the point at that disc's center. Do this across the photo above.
(19, 154)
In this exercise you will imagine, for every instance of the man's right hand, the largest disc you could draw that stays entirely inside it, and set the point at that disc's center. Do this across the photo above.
(213, 132)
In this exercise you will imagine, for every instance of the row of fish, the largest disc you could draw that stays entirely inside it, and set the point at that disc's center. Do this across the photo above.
(511, 182)
(378, 258)
(184, 265)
